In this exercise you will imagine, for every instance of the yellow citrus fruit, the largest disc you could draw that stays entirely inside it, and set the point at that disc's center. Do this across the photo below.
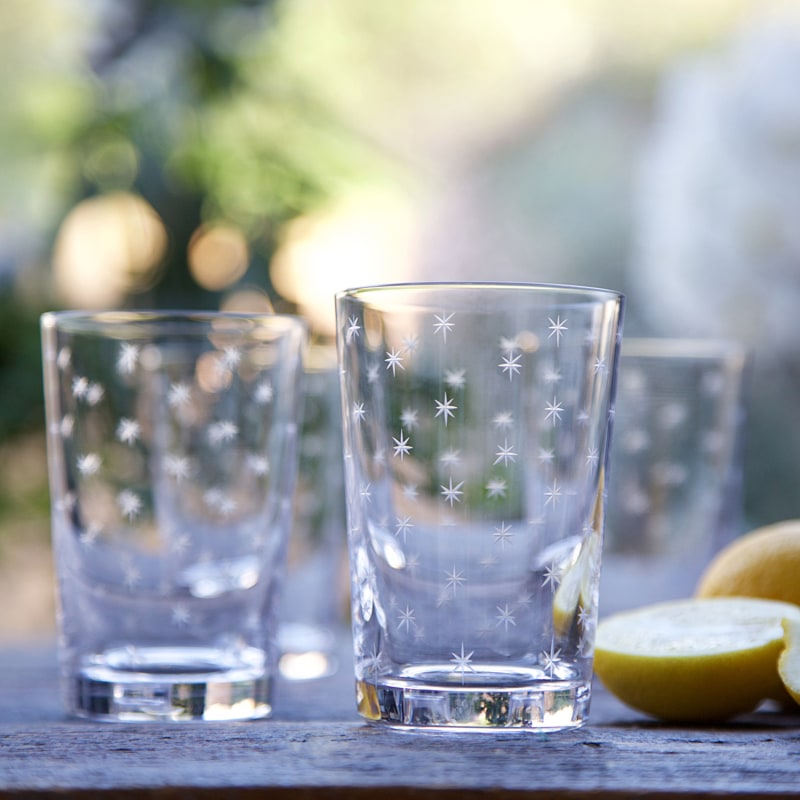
(763, 563)
(699, 659)
(789, 662)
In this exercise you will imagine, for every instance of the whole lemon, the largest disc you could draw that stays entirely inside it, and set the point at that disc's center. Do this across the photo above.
(763, 563)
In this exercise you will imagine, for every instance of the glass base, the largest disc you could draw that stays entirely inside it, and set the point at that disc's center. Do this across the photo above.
(171, 684)
(543, 706)
(307, 652)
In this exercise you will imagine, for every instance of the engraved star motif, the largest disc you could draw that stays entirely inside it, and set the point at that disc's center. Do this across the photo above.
(510, 365)
(402, 527)
(406, 619)
(365, 492)
(496, 487)
(505, 617)
(503, 534)
(128, 430)
(95, 394)
(443, 324)
(592, 456)
(546, 455)
(503, 420)
(445, 408)
(553, 494)
(557, 328)
(179, 395)
(129, 503)
(180, 614)
(353, 329)
(264, 393)
(454, 378)
(88, 464)
(80, 387)
(359, 412)
(410, 343)
(454, 579)
(552, 577)
(599, 365)
(409, 418)
(401, 446)
(450, 458)
(178, 467)
(462, 662)
(372, 373)
(505, 453)
(257, 464)
(554, 411)
(551, 659)
(232, 357)
(222, 432)
(452, 494)
(127, 359)
(410, 492)
(394, 359)
(509, 344)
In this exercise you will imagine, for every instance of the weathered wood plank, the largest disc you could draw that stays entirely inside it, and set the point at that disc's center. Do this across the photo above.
(316, 747)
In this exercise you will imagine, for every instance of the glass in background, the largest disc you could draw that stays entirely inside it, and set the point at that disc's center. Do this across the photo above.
(674, 492)
(314, 599)
(172, 450)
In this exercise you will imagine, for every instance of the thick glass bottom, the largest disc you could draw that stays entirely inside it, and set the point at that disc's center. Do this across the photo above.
(171, 684)
(540, 706)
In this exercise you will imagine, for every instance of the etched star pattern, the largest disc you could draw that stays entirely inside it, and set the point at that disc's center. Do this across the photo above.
(408, 418)
(505, 453)
(505, 617)
(553, 411)
(129, 504)
(557, 328)
(518, 423)
(179, 395)
(394, 361)
(502, 534)
(353, 329)
(462, 662)
(88, 464)
(445, 408)
(452, 494)
(510, 365)
(496, 487)
(401, 446)
(443, 324)
(454, 579)
(128, 430)
(222, 432)
(127, 359)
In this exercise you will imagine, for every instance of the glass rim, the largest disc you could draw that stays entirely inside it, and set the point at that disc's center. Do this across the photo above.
(588, 293)
(683, 347)
(98, 321)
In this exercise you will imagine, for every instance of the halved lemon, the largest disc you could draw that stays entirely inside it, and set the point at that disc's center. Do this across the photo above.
(700, 659)
(789, 662)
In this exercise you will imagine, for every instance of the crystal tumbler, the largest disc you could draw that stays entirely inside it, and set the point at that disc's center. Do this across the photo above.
(476, 432)
(676, 469)
(172, 450)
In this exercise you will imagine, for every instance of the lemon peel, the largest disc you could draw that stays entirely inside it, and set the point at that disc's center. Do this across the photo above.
(789, 662)
(762, 563)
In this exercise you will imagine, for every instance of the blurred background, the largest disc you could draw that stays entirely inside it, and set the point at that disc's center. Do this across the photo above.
(265, 153)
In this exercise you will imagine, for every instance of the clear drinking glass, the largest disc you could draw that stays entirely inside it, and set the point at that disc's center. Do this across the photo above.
(675, 471)
(314, 596)
(172, 449)
(476, 429)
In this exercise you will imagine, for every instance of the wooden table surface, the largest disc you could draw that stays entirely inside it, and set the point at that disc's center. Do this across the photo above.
(316, 746)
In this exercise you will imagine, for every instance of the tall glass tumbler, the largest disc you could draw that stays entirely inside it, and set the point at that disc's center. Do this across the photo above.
(172, 450)
(476, 429)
